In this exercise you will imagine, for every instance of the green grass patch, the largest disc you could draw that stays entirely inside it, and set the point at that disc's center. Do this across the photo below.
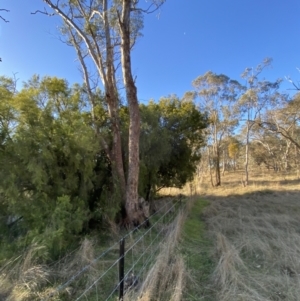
(195, 248)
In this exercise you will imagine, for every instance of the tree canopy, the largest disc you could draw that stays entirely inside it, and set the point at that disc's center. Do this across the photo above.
(56, 179)
(171, 138)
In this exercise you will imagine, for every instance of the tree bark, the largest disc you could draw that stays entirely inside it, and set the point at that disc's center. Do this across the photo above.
(113, 105)
(217, 158)
(247, 156)
(209, 167)
(132, 206)
(217, 166)
(224, 163)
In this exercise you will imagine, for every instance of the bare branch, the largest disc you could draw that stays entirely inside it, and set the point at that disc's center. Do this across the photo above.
(95, 12)
(81, 9)
(6, 21)
(280, 130)
(43, 12)
(97, 58)
(6, 10)
(149, 9)
(292, 82)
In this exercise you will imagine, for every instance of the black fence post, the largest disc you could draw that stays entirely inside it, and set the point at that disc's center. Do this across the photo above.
(121, 269)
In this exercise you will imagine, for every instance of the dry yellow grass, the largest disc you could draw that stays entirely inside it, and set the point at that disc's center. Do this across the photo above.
(256, 230)
(256, 248)
(78, 274)
(25, 279)
(232, 184)
(256, 235)
(166, 278)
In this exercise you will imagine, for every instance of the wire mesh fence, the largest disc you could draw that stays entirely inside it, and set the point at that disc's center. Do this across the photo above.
(123, 266)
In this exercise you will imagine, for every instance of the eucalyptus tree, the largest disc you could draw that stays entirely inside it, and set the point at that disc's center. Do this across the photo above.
(254, 102)
(172, 135)
(268, 149)
(105, 31)
(218, 96)
(283, 120)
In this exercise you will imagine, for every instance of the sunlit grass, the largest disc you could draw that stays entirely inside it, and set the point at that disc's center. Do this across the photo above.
(256, 238)
(233, 243)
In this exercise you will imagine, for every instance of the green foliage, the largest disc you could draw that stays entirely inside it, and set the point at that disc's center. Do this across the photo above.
(53, 170)
(6, 110)
(218, 96)
(64, 225)
(171, 137)
(55, 179)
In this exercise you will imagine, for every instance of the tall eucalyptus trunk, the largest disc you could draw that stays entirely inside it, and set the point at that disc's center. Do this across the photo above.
(132, 206)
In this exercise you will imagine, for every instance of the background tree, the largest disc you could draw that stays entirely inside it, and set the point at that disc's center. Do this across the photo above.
(284, 118)
(267, 149)
(217, 96)
(258, 95)
(230, 152)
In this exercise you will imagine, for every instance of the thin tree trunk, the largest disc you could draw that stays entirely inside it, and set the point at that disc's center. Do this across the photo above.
(224, 163)
(217, 158)
(234, 162)
(286, 154)
(247, 156)
(217, 168)
(209, 167)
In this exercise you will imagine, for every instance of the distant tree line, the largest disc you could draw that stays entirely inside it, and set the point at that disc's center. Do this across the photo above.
(253, 124)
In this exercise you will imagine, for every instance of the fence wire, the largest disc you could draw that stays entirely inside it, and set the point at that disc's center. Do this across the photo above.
(141, 248)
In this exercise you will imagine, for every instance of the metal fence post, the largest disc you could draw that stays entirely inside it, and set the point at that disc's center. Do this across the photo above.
(121, 269)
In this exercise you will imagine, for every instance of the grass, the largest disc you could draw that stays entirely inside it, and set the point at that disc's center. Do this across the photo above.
(24, 278)
(234, 243)
(183, 268)
(166, 279)
(257, 246)
(195, 248)
(256, 238)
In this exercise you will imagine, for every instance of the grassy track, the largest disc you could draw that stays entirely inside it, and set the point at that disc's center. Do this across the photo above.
(195, 248)
(253, 250)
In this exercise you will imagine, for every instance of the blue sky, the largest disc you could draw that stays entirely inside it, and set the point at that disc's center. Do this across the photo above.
(189, 38)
